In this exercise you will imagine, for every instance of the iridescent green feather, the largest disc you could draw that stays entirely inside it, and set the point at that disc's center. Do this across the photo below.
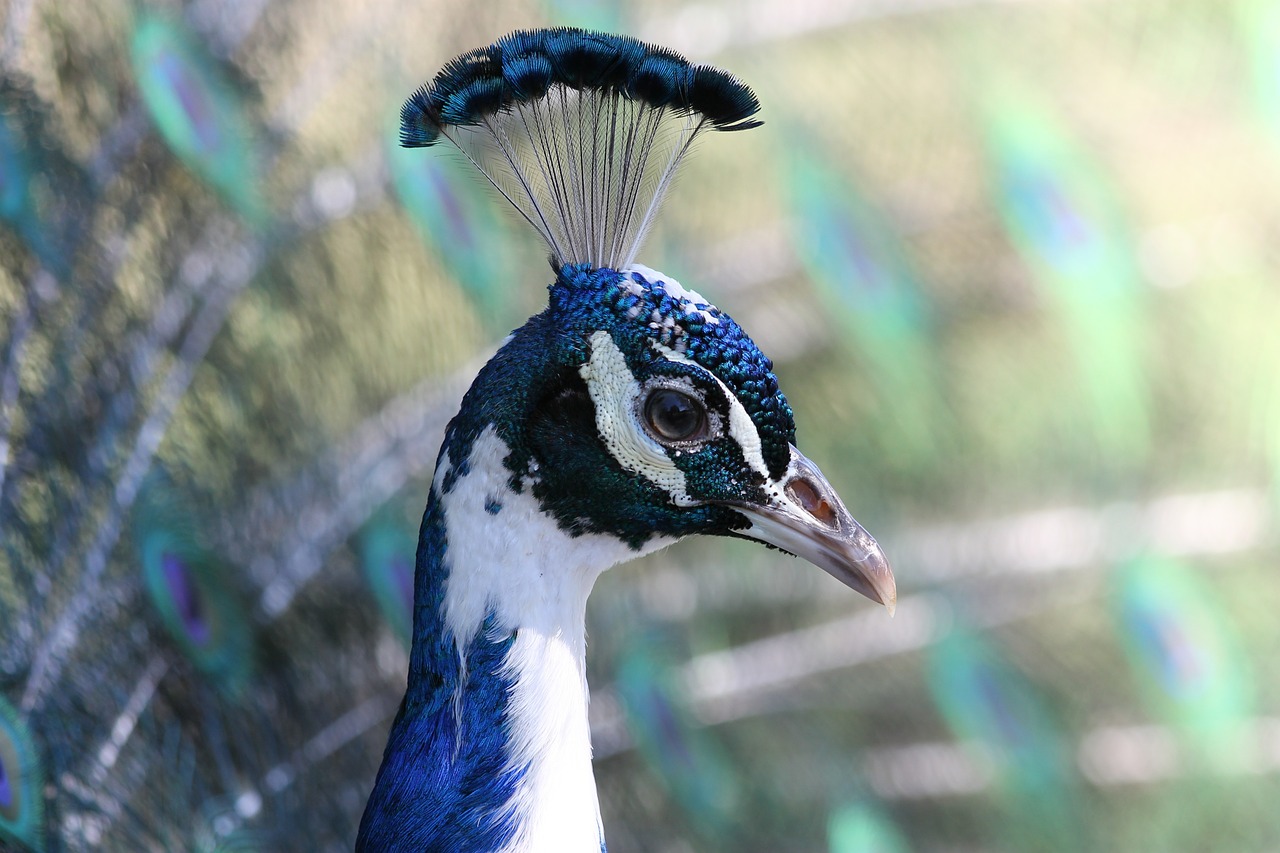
(863, 829)
(462, 226)
(1065, 220)
(990, 704)
(15, 174)
(40, 190)
(198, 113)
(387, 554)
(862, 272)
(190, 589)
(21, 784)
(676, 746)
(1183, 648)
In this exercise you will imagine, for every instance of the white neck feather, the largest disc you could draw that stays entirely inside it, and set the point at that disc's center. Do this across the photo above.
(534, 579)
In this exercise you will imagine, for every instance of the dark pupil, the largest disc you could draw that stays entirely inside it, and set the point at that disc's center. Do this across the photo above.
(673, 415)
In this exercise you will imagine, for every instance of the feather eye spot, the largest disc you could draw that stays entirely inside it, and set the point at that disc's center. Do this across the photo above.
(21, 784)
(187, 587)
(186, 597)
(387, 552)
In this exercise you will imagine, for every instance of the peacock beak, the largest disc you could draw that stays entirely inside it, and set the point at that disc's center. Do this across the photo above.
(807, 518)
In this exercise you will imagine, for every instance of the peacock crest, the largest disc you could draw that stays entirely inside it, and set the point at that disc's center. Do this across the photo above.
(581, 131)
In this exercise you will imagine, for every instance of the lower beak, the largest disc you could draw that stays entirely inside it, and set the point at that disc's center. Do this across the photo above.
(805, 517)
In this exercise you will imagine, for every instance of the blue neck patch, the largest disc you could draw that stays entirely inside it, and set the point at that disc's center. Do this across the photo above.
(444, 778)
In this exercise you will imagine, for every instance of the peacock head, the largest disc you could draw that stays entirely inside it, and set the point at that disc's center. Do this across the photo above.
(666, 420)
(650, 414)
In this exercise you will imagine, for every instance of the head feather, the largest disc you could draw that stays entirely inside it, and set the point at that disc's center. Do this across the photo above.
(581, 131)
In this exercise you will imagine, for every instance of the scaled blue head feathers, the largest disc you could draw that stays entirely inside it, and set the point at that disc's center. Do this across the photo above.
(657, 320)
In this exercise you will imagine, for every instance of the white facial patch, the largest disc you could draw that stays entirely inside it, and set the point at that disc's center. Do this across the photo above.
(614, 391)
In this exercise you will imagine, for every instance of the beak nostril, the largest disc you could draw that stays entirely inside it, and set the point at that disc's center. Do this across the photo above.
(811, 501)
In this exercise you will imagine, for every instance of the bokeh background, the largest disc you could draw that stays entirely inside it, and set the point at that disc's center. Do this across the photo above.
(1016, 263)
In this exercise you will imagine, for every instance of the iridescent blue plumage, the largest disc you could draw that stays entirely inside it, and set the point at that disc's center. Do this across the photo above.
(444, 780)
(642, 310)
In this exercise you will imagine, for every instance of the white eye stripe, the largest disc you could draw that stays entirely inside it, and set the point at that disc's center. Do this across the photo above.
(614, 390)
(741, 428)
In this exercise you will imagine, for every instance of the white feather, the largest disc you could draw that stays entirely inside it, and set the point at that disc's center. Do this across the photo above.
(534, 578)
(586, 168)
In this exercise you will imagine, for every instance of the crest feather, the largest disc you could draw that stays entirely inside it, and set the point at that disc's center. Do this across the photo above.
(581, 131)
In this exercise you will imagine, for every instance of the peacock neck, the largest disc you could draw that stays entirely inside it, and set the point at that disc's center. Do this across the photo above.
(491, 750)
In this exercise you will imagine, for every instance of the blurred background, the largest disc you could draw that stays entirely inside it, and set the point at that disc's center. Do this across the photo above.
(1016, 263)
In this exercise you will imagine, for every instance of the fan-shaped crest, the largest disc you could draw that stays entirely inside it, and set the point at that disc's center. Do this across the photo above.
(580, 131)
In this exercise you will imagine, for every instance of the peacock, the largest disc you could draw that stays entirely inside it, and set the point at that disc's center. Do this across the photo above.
(236, 318)
(627, 415)
(208, 605)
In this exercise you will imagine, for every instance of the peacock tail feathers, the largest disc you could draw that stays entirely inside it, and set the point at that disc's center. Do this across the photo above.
(387, 551)
(21, 783)
(188, 588)
(198, 112)
(581, 131)
(1183, 652)
(40, 190)
(464, 225)
(691, 763)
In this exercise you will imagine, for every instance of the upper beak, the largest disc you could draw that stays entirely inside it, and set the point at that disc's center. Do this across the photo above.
(807, 518)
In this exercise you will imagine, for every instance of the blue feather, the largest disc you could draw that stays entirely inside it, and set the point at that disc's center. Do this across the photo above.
(485, 81)
(580, 131)
(444, 779)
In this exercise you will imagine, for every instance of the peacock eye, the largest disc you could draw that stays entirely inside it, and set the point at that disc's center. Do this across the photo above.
(672, 415)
